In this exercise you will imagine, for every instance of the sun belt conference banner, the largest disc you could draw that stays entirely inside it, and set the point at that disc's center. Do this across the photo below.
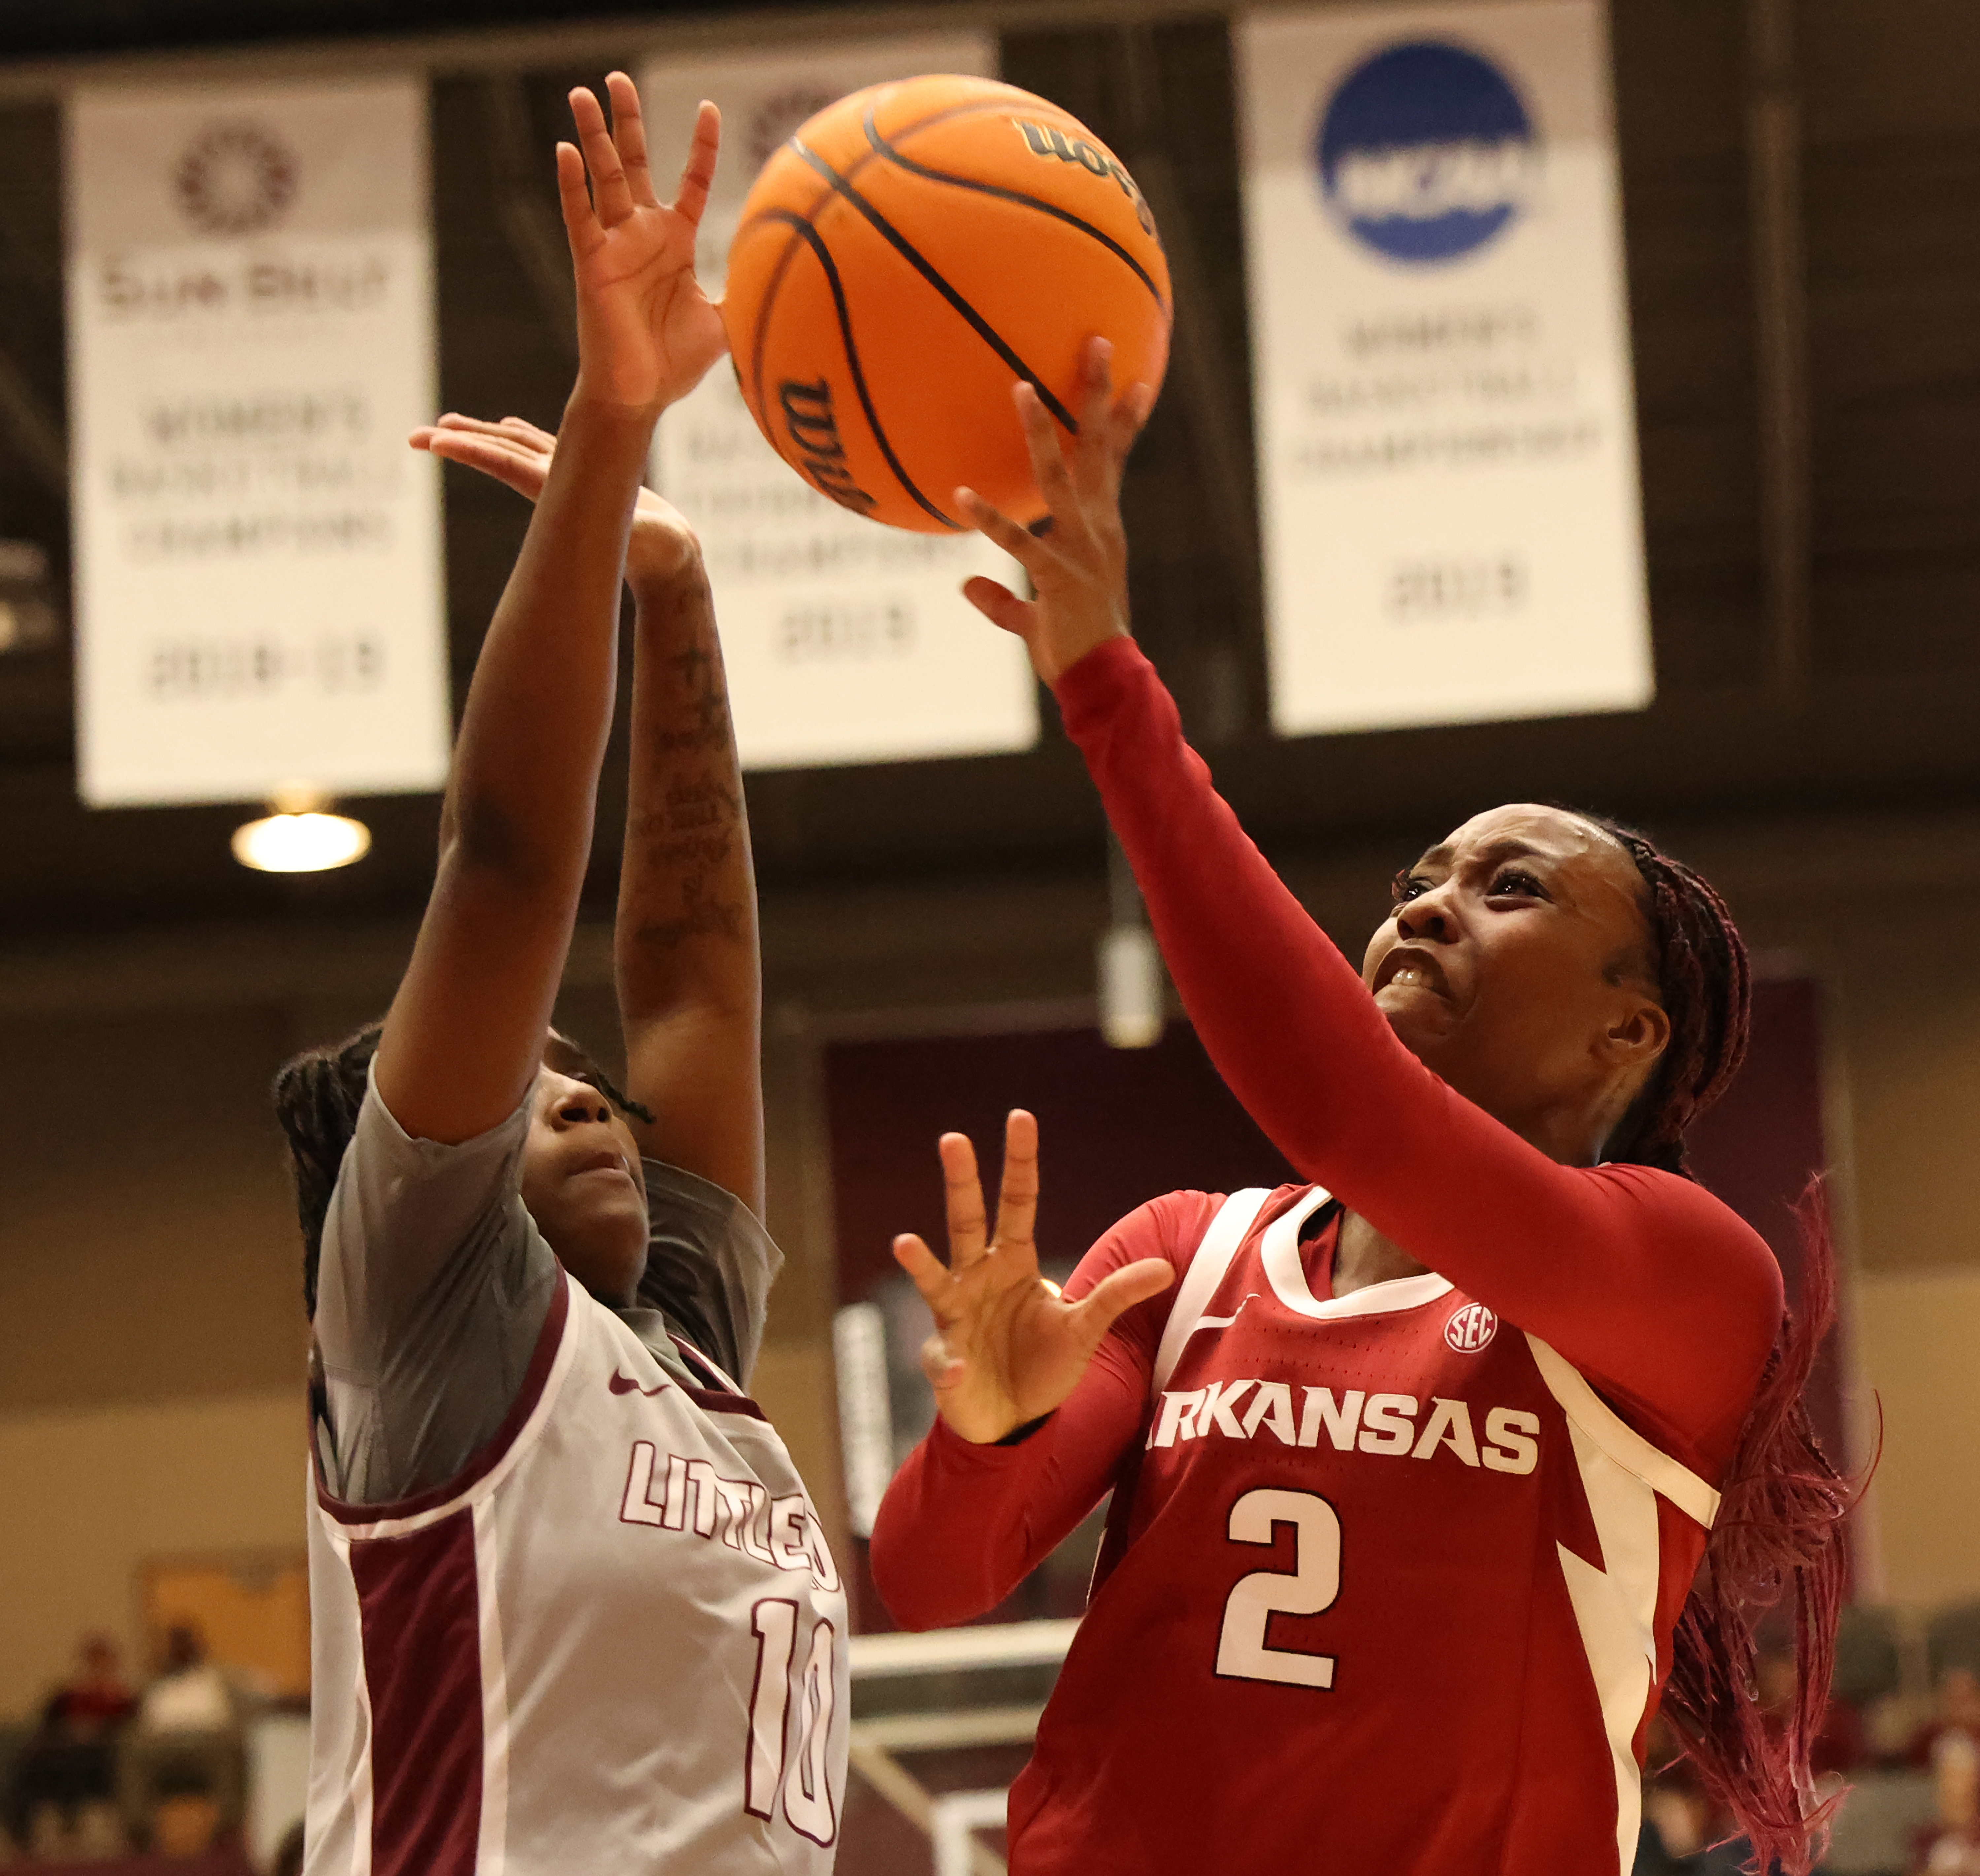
(845, 641)
(1447, 455)
(258, 553)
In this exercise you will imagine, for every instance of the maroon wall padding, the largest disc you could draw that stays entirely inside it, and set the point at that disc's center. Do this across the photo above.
(1763, 1143)
(1116, 1128)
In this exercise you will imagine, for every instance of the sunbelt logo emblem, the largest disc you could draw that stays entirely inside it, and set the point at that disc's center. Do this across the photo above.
(1426, 152)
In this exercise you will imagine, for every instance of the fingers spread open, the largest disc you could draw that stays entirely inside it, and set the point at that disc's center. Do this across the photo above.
(1018, 1195)
(1032, 553)
(1124, 422)
(581, 220)
(629, 132)
(611, 194)
(999, 605)
(968, 1228)
(1096, 383)
(699, 175)
(1047, 455)
(1094, 1314)
(927, 1271)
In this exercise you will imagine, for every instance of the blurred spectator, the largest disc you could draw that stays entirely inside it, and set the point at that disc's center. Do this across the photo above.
(186, 1739)
(289, 1855)
(1952, 1847)
(68, 1771)
(1958, 1710)
(1681, 1826)
(1841, 1746)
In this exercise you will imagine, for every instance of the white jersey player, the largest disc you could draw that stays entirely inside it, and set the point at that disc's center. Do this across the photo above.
(611, 1636)
(571, 1608)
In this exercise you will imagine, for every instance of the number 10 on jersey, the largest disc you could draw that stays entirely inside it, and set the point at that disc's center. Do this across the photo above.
(808, 1797)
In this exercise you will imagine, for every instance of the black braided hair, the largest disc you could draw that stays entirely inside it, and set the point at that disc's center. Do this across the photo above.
(1705, 986)
(1778, 1537)
(317, 1095)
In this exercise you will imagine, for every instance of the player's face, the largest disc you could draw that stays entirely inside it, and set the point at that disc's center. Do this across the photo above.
(1517, 966)
(581, 1183)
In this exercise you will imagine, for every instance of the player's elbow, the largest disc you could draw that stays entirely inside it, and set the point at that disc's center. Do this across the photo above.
(922, 1587)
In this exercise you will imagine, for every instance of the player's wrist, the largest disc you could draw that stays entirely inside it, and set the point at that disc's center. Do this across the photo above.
(1018, 1435)
(605, 398)
(984, 1434)
(1077, 648)
(661, 559)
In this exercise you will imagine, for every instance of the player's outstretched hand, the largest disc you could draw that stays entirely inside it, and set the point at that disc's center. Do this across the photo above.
(514, 451)
(646, 332)
(1078, 567)
(1007, 1348)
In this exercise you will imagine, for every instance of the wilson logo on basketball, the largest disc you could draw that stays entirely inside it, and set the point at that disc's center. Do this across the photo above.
(813, 430)
(1048, 140)
(1470, 1328)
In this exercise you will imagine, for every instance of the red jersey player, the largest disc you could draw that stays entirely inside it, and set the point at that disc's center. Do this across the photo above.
(1413, 1467)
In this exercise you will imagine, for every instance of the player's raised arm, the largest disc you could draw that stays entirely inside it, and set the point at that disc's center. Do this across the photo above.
(688, 965)
(689, 969)
(465, 1031)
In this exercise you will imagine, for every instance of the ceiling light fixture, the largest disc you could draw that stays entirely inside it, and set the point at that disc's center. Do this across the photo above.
(299, 835)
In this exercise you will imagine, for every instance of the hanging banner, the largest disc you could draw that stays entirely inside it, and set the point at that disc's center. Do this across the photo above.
(1447, 457)
(845, 641)
(258, 598)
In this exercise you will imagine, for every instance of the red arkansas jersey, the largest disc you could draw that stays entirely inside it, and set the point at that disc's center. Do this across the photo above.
(1388, 1592)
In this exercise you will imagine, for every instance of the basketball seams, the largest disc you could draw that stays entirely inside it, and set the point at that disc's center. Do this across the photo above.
(803, 231)
(946, 114)
(915, 259)
(887, 147)
(771, 288)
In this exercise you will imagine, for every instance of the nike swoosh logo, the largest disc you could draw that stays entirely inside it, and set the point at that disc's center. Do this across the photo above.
(1223, 1322)
(625, 1384)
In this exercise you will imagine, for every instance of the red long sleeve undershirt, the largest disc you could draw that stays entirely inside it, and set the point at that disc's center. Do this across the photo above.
(1644, 1281)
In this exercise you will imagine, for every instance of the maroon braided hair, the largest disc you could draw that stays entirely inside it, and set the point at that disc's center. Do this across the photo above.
(1777, 1538)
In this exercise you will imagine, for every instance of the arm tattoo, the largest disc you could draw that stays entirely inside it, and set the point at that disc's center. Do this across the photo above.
(692, 830)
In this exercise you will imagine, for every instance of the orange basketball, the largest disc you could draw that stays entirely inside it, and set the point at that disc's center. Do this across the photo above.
(911, 252)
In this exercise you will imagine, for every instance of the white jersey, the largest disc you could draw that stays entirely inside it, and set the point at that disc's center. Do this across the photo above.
(617, 1643)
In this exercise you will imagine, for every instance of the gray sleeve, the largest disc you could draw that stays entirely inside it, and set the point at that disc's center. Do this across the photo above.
(709, 1266)
(434, 1286)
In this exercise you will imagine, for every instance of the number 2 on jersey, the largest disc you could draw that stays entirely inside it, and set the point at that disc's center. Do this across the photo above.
(1310, 1588)
(807, 1789)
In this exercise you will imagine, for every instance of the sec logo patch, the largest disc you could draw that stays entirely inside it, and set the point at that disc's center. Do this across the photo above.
(1470, 1328)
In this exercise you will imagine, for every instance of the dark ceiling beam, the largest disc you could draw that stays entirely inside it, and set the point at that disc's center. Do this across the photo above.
(1781, 358)
(1211, 390)
(530, 224)
(561, 43)
(33, 431)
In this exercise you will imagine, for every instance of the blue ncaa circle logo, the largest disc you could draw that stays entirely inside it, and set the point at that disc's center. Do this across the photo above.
(1426, 152)
(1470, 1328)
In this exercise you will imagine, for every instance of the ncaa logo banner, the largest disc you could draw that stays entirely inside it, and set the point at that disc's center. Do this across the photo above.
(258, 597)
(843, 641)
(1445, 415)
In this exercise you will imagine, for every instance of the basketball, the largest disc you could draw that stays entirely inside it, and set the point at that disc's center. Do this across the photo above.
(911, 254)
